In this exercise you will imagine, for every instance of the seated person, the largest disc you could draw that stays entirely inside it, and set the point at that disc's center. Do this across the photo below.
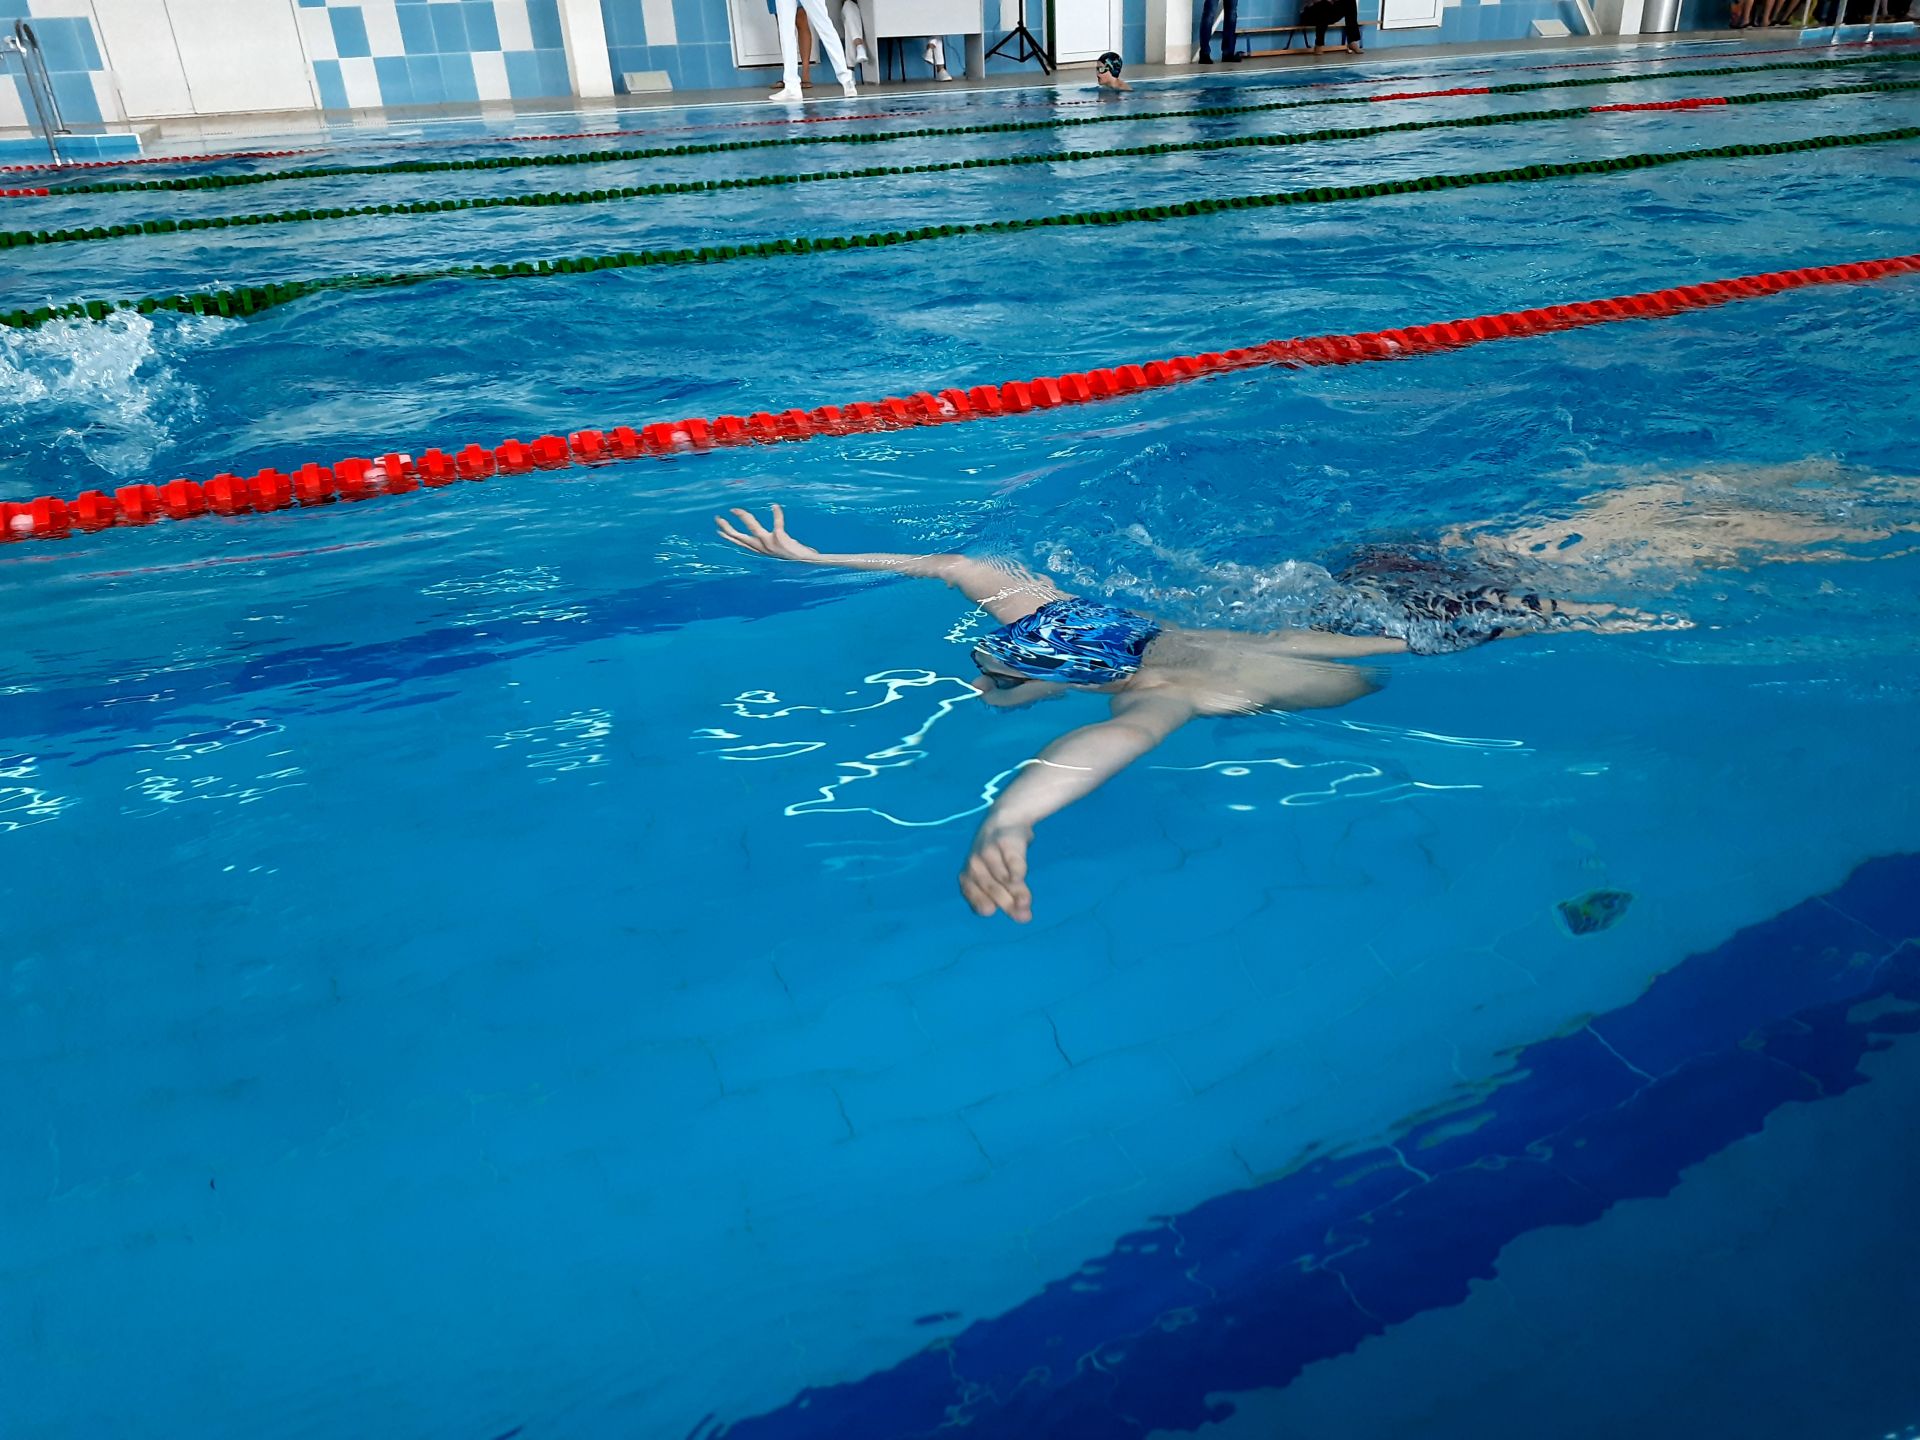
(851, 21)
(1322, 13)
(1106, 73)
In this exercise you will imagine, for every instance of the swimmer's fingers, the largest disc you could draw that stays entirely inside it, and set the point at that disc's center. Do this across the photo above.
(727, 532)
(754, 527)
(995, 875)
(780, 524)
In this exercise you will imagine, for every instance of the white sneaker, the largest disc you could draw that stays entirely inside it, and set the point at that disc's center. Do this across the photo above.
(943, 73)
(848, 89)
(859, 56)
(787, 94)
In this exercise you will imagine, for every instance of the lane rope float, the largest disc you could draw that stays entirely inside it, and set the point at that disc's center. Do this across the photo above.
(361, 478)
(434, 142)
(253, 299)
(887, 137)
(21, 239)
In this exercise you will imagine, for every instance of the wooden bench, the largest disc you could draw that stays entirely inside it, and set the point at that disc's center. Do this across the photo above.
(1288, 31)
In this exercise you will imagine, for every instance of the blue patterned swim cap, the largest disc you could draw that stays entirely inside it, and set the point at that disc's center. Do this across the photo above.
(1108, 64)
(1072, 642)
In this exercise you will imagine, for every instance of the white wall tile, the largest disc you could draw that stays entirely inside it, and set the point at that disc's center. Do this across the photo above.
(662, 28)
(383, 27)
(136, 41)
(516, 32)
(13, 114)
(241, 55)
(317, 31)
(106, 94)
(490, 75)
(361, 81)
(583, 31)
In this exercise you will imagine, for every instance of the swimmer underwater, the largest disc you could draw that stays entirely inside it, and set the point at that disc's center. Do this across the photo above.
(1157, 677)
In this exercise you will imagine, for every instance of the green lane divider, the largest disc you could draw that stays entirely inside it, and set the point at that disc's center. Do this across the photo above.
(18, 239)
(251, 300)
(1010, 127)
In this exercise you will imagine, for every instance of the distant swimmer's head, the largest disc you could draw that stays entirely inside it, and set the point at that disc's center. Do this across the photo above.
(1107, 64)
(1067, 642)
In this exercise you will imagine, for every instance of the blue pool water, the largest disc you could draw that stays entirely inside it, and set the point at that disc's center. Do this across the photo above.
(488, 962)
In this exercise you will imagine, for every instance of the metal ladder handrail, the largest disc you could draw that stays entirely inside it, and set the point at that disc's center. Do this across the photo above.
(33, 70)
(1840, 18)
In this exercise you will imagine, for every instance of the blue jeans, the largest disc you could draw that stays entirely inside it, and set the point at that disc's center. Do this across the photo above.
(1210, 8)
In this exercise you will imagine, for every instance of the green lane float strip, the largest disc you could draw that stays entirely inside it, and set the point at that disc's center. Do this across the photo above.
(251, 300)
(1010, 127)
(19, 239)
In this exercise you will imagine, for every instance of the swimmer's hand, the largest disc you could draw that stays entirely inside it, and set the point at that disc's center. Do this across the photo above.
(775, 543)
(995, 877)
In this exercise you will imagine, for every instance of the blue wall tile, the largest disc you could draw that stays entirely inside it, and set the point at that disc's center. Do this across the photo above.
(544, 18)
(523, 75)
(396, 84)
(68, 45)
(625, 21)
(74, 92)
(456, 72)
(424, 75)
(690, 21)
(333, 89)
(350, 32)
(483, 30)
(416, 30)
(553, 73)
(449, 28)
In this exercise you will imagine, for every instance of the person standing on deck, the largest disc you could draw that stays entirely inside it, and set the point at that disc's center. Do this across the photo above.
(786, 18)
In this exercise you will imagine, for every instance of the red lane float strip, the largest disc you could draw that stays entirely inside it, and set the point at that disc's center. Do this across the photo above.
(429, 143)
(361, 478)
(40, 191)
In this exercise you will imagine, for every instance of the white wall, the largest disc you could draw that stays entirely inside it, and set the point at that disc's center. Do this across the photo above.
(241, 55)
(136, 41)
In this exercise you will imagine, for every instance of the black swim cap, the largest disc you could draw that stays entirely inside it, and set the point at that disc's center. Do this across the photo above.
(1107, 64)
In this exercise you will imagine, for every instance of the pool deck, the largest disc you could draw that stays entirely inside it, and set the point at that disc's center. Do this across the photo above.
(189, 135)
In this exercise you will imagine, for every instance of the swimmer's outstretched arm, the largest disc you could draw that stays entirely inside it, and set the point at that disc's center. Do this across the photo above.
(1076, 764)
(1004, 594)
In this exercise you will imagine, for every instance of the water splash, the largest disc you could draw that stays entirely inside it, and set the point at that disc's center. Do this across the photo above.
(101, 390)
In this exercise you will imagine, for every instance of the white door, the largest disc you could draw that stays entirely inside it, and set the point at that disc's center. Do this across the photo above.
(1083, 29)
(1409, 14)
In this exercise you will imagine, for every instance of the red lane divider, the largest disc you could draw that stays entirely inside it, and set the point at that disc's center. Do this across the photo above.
(1433, 94)
(164, 160)
(40, 191)
(1650, 60)
(437, 140)
(1694, 104)
(361, 478)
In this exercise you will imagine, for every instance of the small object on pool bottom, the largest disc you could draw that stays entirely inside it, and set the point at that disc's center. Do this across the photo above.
(1594, 911)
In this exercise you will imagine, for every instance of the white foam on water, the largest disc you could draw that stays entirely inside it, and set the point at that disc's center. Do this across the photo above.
(104, 388)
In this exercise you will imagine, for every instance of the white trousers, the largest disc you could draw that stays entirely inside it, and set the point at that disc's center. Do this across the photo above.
(855, 27)
(784, 13)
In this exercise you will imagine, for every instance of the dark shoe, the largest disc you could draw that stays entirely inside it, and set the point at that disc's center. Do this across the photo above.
(1234, 58)
(1205, 58)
